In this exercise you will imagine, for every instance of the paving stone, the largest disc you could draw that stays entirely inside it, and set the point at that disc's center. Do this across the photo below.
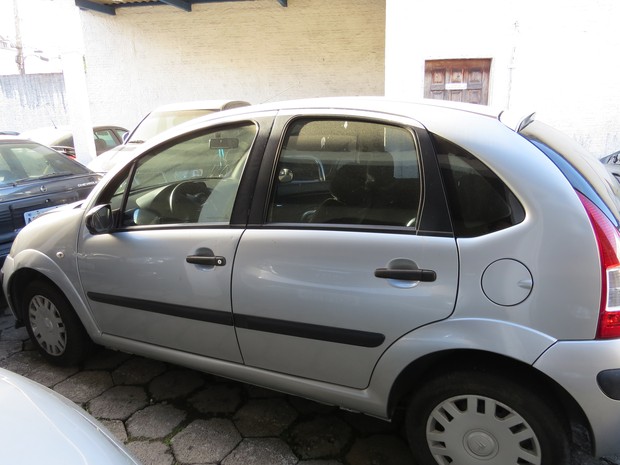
(270, 451)
(104, 359)
(138, 371)
(85, 386)
(217, 398)
(9, 347)
(368, 425)
(379, 450)
(265, 417)
(50, 375)
(156, 421)
(151, 453)
(322, 437)
(6, 320)
(118, 403)
(305, 406)
(14, 334)
(175, 383)
(23, 362)
(117, 428)
(205, 441)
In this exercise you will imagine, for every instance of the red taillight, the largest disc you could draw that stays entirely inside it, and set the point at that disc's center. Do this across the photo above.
(608, 239)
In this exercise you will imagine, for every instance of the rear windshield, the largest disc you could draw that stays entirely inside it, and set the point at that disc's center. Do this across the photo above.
(585, 173)
(28, 161)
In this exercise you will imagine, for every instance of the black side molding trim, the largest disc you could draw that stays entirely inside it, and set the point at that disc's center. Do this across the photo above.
(310, 331)
(191, 313)
(352, 337)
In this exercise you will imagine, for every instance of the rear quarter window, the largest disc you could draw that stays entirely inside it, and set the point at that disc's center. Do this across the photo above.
(479, 201)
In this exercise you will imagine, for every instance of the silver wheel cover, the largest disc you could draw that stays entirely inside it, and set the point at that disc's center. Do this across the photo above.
(475, 430)
(47, 325)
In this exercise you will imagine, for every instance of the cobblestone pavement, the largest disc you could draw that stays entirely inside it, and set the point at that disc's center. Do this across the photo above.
(169, 415)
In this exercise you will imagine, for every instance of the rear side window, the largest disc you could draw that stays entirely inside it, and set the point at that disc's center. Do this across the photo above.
(480, 202)
(347, 172)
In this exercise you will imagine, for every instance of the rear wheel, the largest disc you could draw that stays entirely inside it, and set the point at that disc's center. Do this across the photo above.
(53, 325)
(473, 418)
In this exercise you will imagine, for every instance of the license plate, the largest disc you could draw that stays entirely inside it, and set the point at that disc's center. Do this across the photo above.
(31, 215)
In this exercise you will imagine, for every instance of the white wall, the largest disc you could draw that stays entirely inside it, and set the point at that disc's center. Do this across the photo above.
(558, 57)
(255, 51)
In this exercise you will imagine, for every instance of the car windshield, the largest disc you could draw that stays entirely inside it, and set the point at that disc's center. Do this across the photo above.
(159, 121)
(27, 161)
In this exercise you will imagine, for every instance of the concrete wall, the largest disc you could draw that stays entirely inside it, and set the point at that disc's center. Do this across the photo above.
(255, 51)
(556, 57)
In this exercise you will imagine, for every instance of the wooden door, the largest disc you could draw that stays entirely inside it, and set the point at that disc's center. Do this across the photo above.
(458, 80)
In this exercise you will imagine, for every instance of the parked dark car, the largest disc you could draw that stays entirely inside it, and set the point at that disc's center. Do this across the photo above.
(61, 138)
(33, 180)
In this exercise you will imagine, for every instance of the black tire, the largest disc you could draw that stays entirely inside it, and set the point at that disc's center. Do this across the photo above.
(53, 325)
(475, 418)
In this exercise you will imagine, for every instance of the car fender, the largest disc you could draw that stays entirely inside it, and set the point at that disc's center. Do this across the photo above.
(493, 336)
(37, 260)
(48, 245)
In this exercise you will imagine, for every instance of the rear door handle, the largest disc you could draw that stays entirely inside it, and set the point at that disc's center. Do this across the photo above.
(406, 275)
(206, 261)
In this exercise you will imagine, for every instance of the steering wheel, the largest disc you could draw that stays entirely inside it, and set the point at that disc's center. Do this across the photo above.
(187, 199)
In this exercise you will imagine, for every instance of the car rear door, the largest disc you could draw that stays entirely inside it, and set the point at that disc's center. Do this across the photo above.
(353, 249)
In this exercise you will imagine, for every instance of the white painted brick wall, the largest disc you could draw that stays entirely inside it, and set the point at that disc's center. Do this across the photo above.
(565, 65)
(254, 50)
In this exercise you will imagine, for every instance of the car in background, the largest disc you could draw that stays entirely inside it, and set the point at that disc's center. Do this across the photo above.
(35, 179)
(38, 425)
(157, 121)
(61, 138)
(611, 159)
(447, 265)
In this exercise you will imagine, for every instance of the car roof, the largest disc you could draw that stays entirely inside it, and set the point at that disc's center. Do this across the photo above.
(202, 105)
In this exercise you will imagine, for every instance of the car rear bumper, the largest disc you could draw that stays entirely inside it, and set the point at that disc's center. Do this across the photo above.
(590, 372)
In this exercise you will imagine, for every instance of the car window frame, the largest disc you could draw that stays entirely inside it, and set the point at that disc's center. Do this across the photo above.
(245, 189)
(434, 219)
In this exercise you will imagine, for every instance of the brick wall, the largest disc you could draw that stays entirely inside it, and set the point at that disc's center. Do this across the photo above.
(255, 51)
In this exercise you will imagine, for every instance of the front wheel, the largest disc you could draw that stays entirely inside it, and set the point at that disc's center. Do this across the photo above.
(53, 325)
(474, 418)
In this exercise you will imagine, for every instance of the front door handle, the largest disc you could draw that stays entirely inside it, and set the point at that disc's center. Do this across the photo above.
(406, 275)
(206, 261)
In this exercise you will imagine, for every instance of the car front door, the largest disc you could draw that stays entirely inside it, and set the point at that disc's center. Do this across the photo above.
(354, 251)
(162, 276)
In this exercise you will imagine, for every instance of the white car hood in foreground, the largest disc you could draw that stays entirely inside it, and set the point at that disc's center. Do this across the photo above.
(38, 426)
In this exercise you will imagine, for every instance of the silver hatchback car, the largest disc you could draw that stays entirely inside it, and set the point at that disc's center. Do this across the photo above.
(448, 266)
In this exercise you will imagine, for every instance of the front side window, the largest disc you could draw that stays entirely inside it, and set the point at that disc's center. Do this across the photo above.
(192, 181)
(337, 171)
(479, 201)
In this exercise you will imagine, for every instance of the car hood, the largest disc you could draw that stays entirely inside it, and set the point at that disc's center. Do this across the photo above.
(40, 426)
(107, 160)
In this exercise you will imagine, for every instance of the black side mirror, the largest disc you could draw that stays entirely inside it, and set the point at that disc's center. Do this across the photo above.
(100, 220)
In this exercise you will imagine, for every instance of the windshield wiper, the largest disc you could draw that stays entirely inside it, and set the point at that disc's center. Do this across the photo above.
(135, 142)
(54, 175)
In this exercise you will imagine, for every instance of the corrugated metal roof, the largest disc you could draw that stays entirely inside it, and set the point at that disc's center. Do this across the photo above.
(110, 6)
